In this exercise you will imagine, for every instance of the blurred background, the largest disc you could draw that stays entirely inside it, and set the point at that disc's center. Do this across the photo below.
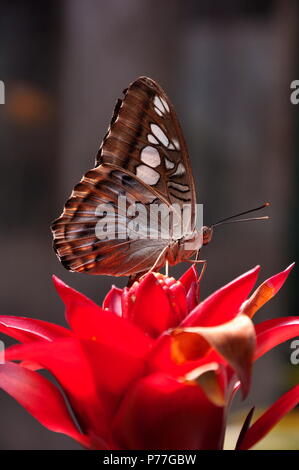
(227, 67)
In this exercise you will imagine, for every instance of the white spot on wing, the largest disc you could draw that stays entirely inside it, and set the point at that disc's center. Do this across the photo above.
(180, 171)
(157, 131)
(165, 104)
(147, 175)
(171, 146)
(176, 144)
(152, 139)
(169, 164)
(180, 187)
(158, 111)
(158, 104)
(150, 156)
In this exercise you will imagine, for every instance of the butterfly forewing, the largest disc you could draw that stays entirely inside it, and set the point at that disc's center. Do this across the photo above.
(145, 137)
(143, 158)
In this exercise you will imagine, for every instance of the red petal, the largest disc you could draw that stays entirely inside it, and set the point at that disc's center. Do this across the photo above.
(265, 292)
(28, 329)
(160, 358)
(66, 360)
(177, 297)
(224, 304)
(112, 300)
(189, 276)
(40, 398)
(90, 321)
(149, 306)
(278, 280)
(270, 418)
(273, 332)
(94, 376)
(234, 341)
(193, 296)
(211, 377)
(245, 427)
(160, 412)
(190, 280)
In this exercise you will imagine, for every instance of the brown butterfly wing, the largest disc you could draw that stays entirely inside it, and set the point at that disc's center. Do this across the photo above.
(143, 157)
(144, 127)
(75, 232)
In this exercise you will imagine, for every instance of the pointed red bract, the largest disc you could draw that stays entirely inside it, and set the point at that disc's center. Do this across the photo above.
(270, 418)
(113, 301)
(155, 304)
(41, 399)
(66, 360)
(28, 329)
(189, 277)
(273, 332)
(265, 292)
(224, 304)
(278, 280)
(190, 281)
(90, 321)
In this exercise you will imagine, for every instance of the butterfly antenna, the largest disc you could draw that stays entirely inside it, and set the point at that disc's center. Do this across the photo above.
(266, 217)
(228, 220)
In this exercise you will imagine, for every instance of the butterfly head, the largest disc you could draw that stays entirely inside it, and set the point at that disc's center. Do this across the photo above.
(207, 233)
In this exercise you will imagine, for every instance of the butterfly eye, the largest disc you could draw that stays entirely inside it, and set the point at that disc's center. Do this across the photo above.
(207, 233)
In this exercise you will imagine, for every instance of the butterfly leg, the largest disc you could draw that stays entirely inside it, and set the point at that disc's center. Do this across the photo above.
(138, 276)
(203, 269)
(159, 259)
(204, 265)
(166, 268)
(135, 277)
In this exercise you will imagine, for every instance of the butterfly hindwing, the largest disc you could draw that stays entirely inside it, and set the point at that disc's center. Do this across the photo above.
(85, 244)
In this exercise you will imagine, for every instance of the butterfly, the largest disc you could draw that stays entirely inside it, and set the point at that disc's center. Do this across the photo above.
(144, 158)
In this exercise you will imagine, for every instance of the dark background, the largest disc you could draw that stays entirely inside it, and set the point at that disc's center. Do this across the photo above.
(227, 67)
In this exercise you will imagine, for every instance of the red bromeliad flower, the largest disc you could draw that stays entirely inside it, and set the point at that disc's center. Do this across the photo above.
(153, 368)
